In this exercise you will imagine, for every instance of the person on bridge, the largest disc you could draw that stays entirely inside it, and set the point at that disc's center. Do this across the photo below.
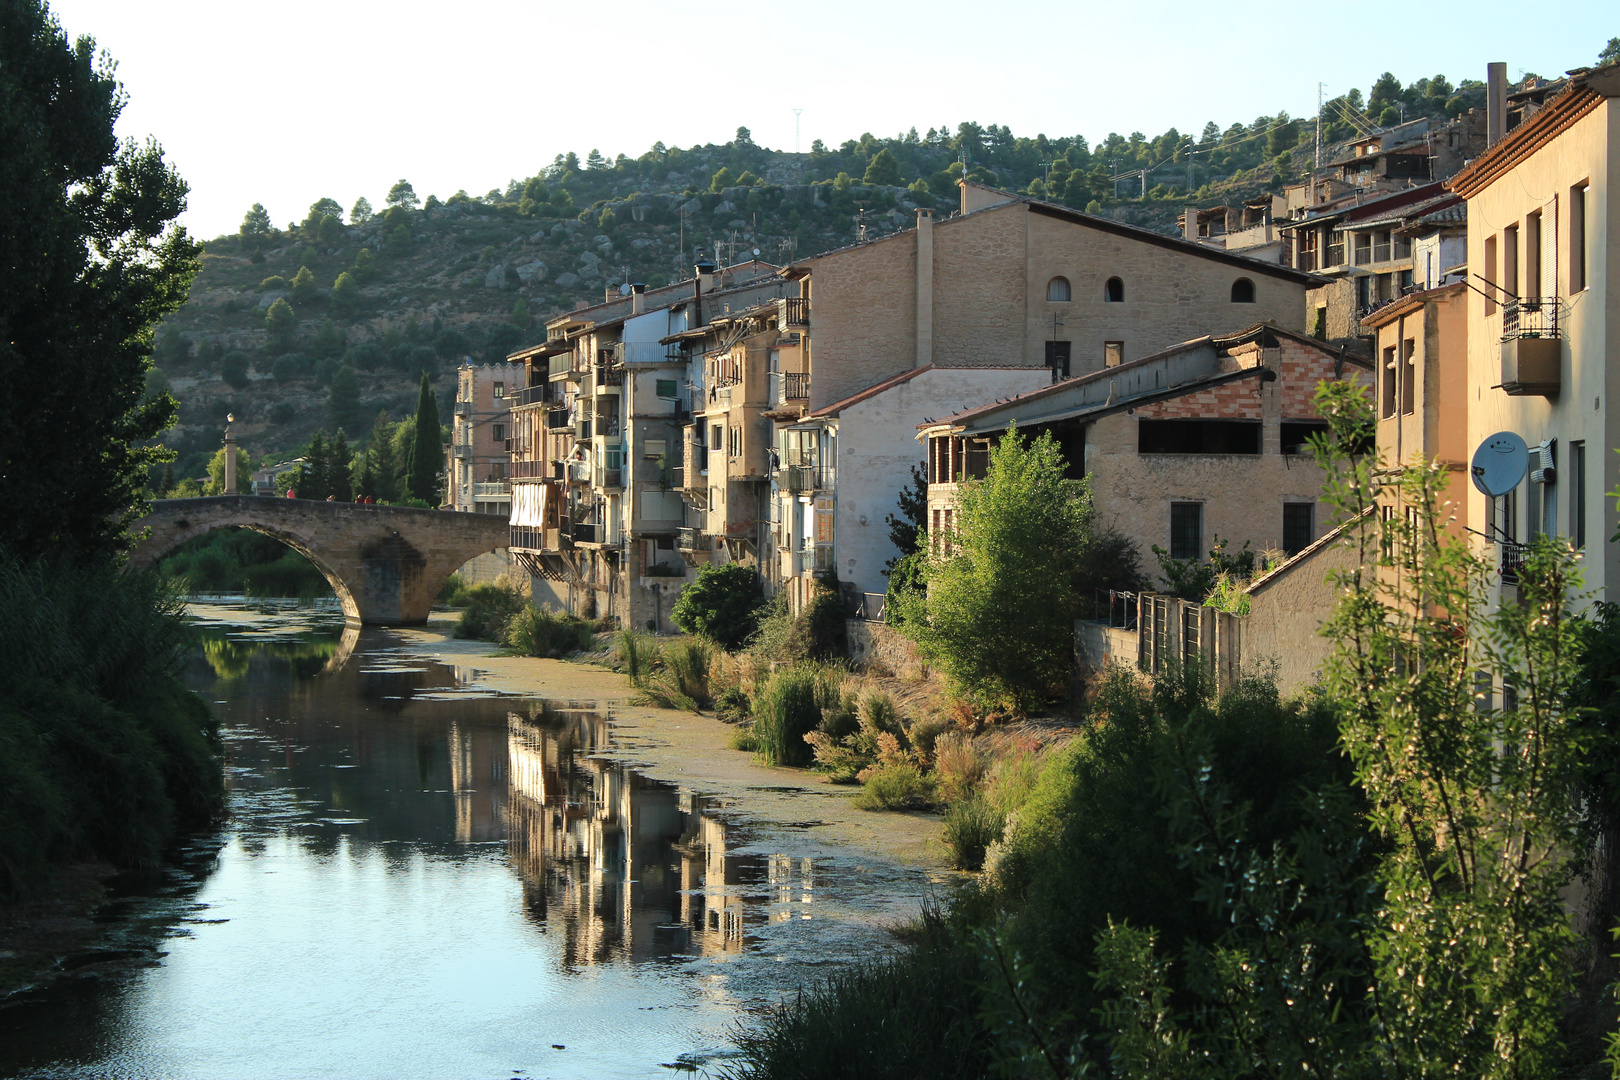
(291, 494)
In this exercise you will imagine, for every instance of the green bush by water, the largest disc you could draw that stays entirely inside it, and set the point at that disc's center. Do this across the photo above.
(789, 706)
(104, 754)
(489, 609)
(537, 631)
(970, 827)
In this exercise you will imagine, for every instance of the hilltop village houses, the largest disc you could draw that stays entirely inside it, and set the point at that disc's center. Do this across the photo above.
(771, 415)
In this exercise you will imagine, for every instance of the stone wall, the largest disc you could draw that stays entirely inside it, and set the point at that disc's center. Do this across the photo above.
(880, 649)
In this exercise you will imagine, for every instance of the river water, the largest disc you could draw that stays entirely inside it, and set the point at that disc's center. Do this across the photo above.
(421, 878)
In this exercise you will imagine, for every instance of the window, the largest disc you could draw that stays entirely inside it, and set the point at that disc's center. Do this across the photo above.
(1388, 374)
(1363, 248)
(1299, 526)
(1577, 238)
(1364, 292)
(1113, 353)
(500, 390)
(716, 435)
(1057, 358)
(1577, 494)
(1114, 291)
(1186, 530)
(1408, 376)
(1490, 275)
(667, 388)
(1532, 254)
(1510, 261)
(1242, 291)
(1057, 291)
(1504, 523)
(497, 432)
(734, 441)
(1297, 433)
(1403, 247)
(1335, 249)
(1198, 436)
(1381, 247)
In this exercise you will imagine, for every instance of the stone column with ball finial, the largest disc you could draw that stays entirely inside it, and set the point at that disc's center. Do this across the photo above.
(230, 455)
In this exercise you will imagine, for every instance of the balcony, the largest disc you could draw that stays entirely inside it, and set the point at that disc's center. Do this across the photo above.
(586, 532)
(609, 375)
(692, 540)
(801, 478)
(530, 538)
(524, 395)
(559, 365)
(793, 312)
(557, 420)
(461, 451)
(675, 478)
(1513, 559)
(579, 472)
(795, 385)
(1532, 349)
(610, 478)
(492, 489)
(463, 409)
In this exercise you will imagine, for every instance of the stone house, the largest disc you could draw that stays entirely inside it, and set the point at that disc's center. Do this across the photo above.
(1205, 439)
(476, 459)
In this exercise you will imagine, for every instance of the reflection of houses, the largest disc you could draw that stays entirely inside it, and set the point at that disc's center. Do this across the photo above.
(627, 866)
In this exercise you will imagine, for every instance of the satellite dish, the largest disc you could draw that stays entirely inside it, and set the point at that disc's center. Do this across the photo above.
(624, 290)
(1500, 463)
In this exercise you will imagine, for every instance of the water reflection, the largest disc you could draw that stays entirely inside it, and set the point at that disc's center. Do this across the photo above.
(466, 873)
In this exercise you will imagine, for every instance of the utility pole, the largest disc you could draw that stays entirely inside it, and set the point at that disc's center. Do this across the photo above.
(1316, 166)
(796, 113)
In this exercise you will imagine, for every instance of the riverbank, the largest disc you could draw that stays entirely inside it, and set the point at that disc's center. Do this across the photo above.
(691, 750)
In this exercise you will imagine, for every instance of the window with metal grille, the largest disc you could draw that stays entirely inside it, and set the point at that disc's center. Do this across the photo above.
(1299, 526)
(1186, 530)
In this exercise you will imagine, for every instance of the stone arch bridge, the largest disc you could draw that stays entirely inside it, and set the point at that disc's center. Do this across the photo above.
(386, 563)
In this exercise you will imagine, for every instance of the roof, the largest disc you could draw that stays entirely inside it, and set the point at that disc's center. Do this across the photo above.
(1101, 224)
(1358, 211)
(1436, 202)
(1407, 304)
(1304, 554)
(1220, 342)
(1584, 94)
(871, 391)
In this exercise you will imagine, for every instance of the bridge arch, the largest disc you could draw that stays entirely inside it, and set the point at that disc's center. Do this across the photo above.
(385, 563)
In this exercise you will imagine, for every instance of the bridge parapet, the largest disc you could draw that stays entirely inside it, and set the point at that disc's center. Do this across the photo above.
(385, 563)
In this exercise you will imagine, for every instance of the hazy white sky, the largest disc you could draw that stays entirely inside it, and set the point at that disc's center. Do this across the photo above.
(284, 103)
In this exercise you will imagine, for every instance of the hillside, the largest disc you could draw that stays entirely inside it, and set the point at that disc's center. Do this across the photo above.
(423, 285)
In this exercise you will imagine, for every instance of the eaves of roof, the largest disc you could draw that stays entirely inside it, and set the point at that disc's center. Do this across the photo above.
(1584, 94)
(1089, 413)
(871, 391)
(1326, 540)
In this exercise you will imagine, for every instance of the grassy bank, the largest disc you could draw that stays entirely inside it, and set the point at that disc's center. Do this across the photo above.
(104, 754)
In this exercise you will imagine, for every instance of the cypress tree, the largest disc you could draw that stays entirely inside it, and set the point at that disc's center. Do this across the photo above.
(422, 468)
(313, 480)
(166, 483)
(340, 480)
(382, 461)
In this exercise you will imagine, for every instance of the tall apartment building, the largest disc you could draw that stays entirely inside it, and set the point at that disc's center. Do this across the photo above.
(476, 459)
(596, 472)
(1542, 333)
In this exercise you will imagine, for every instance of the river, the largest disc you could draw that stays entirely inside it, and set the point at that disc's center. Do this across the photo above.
(423, 878)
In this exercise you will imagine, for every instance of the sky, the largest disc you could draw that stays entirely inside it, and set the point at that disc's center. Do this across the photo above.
(286, 103)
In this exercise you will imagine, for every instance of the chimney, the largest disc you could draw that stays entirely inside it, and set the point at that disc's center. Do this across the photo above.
(607, 294)
(703, 280)
(1189, 224)
(1495, 102)
(925, 288)
(638, 297)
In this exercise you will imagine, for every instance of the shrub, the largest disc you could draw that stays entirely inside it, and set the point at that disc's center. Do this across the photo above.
(453, 593)
(732, 705)
(684, 682)
(538, 631)
(819, 633)
(959, 765)
(635, 651)
(744, 739)
(899, 786)
(970, 827)
(789, 707)
(722, 604)
(924, 734)
(490, 607)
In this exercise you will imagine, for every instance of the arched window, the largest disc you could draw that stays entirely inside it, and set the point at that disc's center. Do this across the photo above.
(1242, 291)
(1057, 291)
(1114, 291)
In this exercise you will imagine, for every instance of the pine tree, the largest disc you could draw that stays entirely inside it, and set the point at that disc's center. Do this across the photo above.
(423, 467)
(166, 483)
(340, 477)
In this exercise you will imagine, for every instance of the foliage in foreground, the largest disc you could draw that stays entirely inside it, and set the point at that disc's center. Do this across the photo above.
(538, 631)
(104, 754)
(1361, 884)
(487, 609)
